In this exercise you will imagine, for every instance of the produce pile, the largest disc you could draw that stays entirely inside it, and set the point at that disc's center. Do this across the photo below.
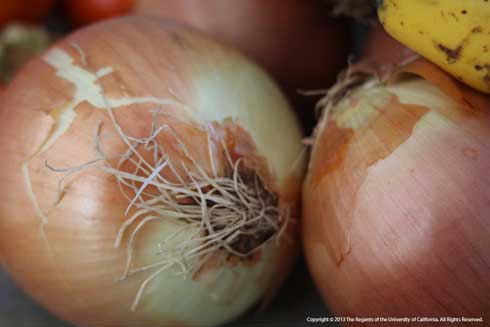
(165, 162)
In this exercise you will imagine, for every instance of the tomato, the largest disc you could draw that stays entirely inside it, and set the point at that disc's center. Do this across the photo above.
(82, 12)
(24, 10)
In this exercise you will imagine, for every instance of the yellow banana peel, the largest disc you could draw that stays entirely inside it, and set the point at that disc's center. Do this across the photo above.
(454, 34)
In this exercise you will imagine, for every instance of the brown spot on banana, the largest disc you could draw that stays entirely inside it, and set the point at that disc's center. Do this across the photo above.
(451, 54)
(476, 29)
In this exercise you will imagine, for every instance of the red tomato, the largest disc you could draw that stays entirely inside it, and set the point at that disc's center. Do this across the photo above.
(24, 10)
(82, 12)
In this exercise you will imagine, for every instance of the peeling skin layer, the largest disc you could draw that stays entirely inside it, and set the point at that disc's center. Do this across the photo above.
(363, 128)
(86, 89)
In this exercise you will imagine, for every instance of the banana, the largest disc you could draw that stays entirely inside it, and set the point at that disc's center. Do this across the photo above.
(454, 34)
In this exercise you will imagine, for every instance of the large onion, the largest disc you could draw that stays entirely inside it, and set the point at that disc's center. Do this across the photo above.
(294, 40)
(217, 147)
(381, 49)
(397, 198)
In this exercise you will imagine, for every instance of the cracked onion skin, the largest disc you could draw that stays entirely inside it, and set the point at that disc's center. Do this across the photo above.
(62, 252)
(396, 201)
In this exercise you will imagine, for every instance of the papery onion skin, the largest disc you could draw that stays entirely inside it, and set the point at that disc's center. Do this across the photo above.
(294, 40)
(396, 200)
(69, 262)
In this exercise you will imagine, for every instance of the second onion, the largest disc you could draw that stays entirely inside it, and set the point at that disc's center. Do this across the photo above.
(396, 201)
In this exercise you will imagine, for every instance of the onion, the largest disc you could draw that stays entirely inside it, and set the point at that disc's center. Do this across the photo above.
(381, 49)
(294, 40)
(396, 201)
(150, 176)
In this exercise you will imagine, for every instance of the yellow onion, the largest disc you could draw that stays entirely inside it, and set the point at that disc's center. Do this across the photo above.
(396, 201)
(150, 177)
(294, 40)
(381, 49)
